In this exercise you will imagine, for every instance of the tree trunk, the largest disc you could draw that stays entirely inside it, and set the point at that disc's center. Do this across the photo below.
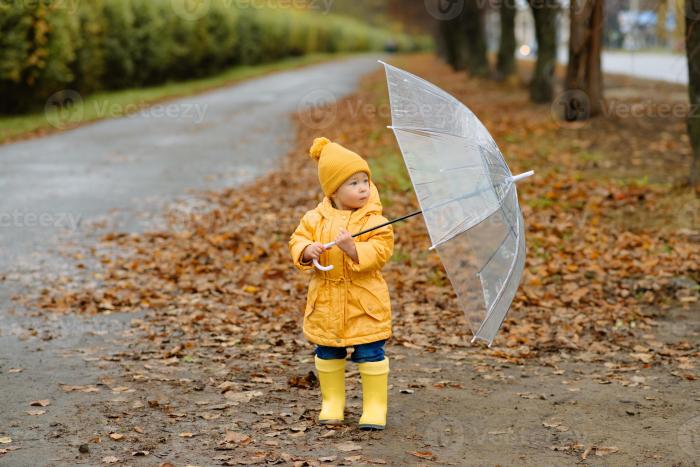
(451, 44)
(692, 47)
(505, 65)
(679, 32)
(462, 42)
(545, 15)
(584, 77)
(583, 96)
(473, 38)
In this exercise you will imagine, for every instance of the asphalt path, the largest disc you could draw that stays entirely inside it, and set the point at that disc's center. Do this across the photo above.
(121, 171)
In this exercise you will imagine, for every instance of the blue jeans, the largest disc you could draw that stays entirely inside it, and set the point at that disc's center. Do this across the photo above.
(370, 352)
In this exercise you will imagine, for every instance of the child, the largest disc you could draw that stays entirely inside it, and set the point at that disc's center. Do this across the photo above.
(348, 305)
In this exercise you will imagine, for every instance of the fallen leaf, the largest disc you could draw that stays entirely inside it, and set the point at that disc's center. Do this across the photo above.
(348, 446)
(238, 438)
(643, 357)
(604, 451)
(244, 396)
(422, 454)
(122, 389)
(41, 403)
(69, 388)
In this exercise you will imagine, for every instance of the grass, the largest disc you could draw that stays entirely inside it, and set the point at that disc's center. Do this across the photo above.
(539, 203)
(401, 256)
(390, 169)
(114, 104)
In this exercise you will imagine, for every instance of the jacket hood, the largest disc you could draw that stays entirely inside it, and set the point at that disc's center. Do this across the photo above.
(372, 206)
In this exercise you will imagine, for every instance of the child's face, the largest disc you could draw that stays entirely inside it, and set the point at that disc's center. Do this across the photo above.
(353, 193)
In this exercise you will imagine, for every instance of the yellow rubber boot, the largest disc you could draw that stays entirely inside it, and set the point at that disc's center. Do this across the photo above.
(375, 391)
(331, 376)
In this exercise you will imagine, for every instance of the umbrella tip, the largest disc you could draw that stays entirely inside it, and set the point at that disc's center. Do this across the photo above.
(515, 178)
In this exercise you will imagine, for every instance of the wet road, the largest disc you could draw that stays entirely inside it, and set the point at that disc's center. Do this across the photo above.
(669, 67)
(672, 68)
(122, 171)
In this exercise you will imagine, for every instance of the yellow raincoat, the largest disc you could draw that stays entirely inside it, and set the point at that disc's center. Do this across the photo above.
(349, 304)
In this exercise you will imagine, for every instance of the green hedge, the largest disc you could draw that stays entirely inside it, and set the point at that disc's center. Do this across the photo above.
(51, 45)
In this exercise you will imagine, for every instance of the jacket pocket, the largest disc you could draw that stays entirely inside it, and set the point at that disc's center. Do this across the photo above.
(312, 298)
(371, 301)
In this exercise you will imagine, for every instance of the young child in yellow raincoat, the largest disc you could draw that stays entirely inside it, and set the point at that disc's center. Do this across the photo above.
(348, 305)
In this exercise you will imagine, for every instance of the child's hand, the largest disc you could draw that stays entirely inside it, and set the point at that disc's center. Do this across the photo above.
(345, 242)
(313, 251)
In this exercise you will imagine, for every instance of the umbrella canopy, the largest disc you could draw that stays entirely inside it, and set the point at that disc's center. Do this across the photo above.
(467, 195)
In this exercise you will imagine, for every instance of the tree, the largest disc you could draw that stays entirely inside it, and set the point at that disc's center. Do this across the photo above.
(462, 40)
(692, 47)
(545, 15)
(505, 64)
(583, 72)
(473, 35)
(450, 43)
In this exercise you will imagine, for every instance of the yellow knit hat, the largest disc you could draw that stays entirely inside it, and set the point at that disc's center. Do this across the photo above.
(335, 164)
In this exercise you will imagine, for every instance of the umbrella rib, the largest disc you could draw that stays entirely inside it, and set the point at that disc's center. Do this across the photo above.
(444, 179)
(505, 237)
(414, 129)
(506, 209)
(500, 292)
(461, 167)
(429, 85)
(431, 88)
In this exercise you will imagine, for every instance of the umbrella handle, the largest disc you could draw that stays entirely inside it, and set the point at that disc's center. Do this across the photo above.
(319, 265)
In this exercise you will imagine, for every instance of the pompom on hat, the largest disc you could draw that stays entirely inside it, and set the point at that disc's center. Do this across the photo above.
(335, 164)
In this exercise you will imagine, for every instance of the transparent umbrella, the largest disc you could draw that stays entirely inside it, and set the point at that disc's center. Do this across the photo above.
(467, 195)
